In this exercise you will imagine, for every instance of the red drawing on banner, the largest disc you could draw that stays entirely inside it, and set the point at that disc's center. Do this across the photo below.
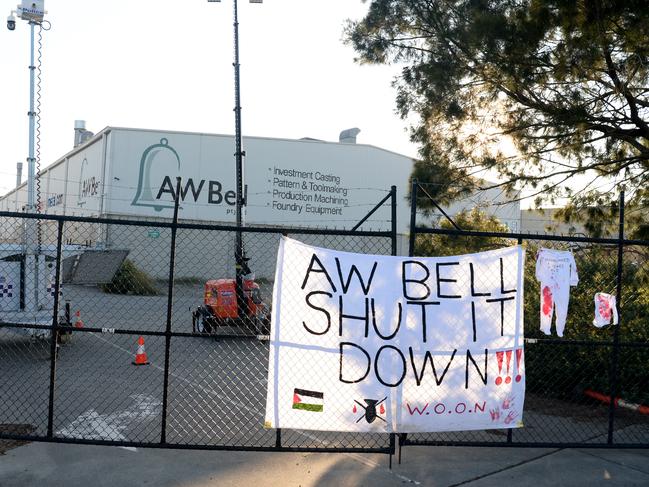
(508, 403)
(499, 358)
(510, 417)
(354, 410)
(370, 413)
(508, 355)
(547, 301)
(495, 415)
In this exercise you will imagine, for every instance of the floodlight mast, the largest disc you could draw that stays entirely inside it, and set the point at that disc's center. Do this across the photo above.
(241, 266)
(33, 12)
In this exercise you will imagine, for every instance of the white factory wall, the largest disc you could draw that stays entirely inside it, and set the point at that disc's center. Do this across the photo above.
(132, 172)
(289, 182)
(307, 183)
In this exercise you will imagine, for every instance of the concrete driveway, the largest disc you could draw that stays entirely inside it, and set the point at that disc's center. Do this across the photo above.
(39, 464)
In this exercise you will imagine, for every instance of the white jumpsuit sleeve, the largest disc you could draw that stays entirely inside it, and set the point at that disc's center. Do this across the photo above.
(574, 278)
(539, 265)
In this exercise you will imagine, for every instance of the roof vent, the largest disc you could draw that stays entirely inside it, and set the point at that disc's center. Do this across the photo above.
(349, 136)
(80, 132)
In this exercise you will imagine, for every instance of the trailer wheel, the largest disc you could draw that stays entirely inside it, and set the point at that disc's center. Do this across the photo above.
(198, 322)
(200, 325)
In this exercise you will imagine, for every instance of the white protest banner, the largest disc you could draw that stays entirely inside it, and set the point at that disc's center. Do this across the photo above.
(374, 343)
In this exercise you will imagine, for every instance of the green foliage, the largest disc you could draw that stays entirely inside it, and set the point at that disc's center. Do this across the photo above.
(129, 279)
(475, 220)
(600, 216)
(563, 81)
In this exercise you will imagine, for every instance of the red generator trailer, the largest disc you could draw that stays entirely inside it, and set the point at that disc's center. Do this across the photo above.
(220, 308)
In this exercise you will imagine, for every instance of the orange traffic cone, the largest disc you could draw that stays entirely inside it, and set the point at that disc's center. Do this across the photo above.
(140, 355)
(78, 323)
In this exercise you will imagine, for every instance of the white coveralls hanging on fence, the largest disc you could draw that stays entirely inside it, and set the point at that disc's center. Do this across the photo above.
(556, 270)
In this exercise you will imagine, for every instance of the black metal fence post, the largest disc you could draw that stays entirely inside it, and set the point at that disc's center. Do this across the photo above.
(510, 431)
(393, 207)
(411, 250)
(413, 217)
(616, 333)
(393, 218)
(55, 330)
(278, 438)
(170, 300)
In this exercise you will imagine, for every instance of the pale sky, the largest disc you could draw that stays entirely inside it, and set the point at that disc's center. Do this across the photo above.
(167, 65)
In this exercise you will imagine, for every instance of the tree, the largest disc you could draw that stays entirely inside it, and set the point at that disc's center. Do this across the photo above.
(565, 81)
(475, 219)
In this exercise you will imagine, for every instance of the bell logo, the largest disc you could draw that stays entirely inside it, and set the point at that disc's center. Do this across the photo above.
(154, 153)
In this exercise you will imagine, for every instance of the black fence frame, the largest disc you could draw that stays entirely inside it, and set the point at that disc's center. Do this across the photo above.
(174, 225)
(418, 191)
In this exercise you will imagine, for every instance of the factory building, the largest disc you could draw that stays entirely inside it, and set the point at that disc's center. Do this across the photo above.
(131, 173)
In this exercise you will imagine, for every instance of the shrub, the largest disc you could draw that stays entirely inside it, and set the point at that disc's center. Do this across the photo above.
(129, 279)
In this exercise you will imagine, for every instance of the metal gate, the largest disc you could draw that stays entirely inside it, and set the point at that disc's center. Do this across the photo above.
(126, 292)
(589, 387)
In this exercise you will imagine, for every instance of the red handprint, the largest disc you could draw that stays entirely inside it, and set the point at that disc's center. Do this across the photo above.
(508, 403)
(510, 417)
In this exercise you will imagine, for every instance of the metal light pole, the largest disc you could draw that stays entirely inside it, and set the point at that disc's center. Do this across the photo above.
(239, 252)
(241, 266)
(33, 13)
(31, 231)
(31, 160)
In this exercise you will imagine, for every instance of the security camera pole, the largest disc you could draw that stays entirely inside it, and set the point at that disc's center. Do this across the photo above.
(241, 265)
(33, 12)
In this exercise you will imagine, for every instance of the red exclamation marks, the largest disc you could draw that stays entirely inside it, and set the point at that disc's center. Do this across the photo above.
(519, 355)
(382, 409)
(499, 358)
(507, 357)
(354, 410)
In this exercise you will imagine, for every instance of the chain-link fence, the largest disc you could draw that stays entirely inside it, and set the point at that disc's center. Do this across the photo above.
(131, 333)
(586, 382)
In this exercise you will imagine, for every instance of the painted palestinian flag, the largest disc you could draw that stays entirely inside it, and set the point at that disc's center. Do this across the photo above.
(308, 400)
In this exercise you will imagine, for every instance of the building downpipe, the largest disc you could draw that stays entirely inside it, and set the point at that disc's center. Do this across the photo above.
(19, 173)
